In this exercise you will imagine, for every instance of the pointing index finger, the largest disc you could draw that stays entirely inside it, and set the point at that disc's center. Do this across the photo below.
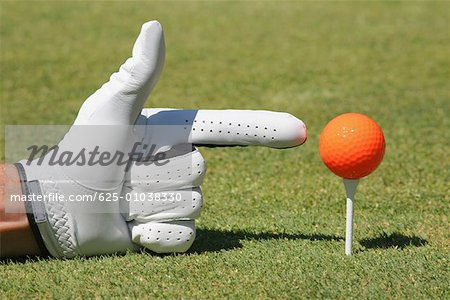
(234, 127)
(247, 127)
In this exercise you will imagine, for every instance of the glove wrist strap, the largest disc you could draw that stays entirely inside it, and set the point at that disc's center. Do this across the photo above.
(27, 189)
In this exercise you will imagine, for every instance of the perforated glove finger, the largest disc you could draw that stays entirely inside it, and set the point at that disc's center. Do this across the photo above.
(164, 201)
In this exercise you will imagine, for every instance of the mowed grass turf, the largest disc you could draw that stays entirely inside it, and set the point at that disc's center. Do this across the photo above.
(273, 221)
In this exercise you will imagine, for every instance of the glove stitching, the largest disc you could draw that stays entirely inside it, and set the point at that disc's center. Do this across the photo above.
(59, 220)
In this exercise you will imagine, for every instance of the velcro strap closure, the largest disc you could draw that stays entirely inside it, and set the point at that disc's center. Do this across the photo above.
(35, 210)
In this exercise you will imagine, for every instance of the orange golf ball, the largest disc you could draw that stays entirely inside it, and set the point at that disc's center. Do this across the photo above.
(352, 145)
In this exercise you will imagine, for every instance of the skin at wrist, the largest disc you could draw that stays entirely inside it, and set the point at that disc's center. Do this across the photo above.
(16, 237)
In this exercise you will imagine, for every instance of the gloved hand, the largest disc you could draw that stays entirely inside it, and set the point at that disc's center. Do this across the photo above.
(105, 123)
(70, 228)
(169, 225)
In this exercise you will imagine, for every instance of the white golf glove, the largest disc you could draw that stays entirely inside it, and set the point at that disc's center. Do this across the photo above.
(154, 201)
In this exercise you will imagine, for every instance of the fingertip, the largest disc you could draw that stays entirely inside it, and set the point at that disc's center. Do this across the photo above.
(302, 133)
(305, 137)
(291, 132)
(153, 35)
(152, 25)
(150, 42)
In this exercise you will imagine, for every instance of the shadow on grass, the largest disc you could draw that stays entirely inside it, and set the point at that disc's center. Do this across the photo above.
(36, 258)
(207, 240)
(23, 259)
(394, 240)
(211, 240)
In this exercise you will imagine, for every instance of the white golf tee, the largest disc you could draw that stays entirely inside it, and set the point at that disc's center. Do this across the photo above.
(350, 189)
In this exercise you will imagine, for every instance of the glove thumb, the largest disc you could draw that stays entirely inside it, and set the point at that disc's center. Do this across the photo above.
(120, 100)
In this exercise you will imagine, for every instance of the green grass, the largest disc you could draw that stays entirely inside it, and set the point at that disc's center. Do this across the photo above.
(273, 221)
